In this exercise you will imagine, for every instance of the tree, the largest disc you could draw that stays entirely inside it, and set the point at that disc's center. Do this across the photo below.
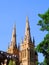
(10, 62)
(44, 22)
(43, 46)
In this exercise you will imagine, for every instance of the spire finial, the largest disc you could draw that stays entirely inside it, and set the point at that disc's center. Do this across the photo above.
(27, 31)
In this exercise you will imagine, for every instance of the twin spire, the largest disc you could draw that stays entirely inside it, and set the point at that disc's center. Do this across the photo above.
(27, 37)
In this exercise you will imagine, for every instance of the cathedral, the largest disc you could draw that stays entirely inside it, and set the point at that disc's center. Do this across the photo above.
(24, 54)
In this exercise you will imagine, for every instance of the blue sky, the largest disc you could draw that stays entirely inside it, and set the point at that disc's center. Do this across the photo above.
(15, 11)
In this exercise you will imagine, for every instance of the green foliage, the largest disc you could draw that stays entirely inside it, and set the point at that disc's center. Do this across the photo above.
(44, 22)
(10, 62)
(43, 46)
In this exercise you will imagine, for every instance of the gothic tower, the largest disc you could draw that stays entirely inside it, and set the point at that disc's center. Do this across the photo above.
(12, 49)
(27, 54)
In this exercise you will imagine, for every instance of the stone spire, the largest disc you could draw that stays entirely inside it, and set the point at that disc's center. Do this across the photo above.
(27, 37)
(13, 39)
(13, 46)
